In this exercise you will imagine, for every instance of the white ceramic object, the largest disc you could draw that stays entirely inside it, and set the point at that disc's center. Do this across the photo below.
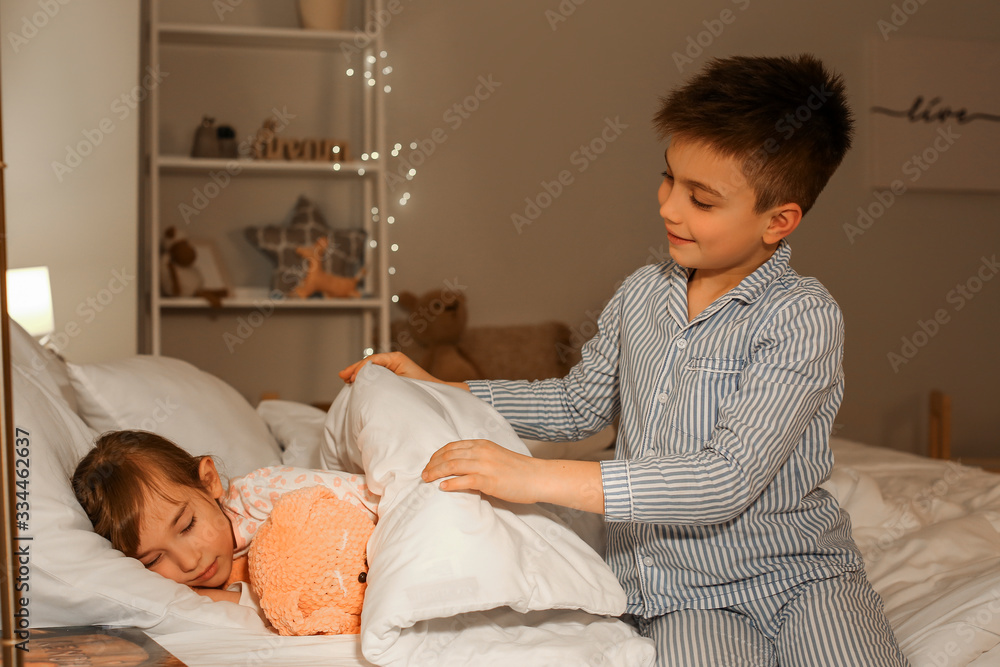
(322, 14)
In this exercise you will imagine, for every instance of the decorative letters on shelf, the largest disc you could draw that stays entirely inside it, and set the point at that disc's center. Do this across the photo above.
(269, 146)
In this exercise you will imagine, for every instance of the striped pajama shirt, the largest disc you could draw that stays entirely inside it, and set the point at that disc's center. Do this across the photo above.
(714, 513)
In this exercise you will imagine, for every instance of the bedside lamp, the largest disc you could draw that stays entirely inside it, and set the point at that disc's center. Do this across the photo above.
(29, 300)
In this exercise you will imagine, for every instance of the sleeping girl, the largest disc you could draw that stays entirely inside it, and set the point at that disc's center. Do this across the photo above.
(171, 511)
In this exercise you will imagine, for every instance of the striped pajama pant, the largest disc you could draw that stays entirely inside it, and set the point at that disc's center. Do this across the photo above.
(837, 622)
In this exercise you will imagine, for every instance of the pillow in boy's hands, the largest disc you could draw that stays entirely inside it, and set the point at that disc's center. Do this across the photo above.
(308, 563)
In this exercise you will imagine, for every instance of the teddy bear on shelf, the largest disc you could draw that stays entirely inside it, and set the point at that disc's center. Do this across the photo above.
(308, 563)
(316, 279)
(436, 322)
(179, 275)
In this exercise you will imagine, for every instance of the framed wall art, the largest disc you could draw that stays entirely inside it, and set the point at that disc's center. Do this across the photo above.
(935, 114)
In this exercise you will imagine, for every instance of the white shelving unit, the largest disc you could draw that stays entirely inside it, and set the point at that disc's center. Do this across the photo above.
(367, 164)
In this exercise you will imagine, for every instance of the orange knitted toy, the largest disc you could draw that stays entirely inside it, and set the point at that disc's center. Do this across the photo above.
(308, 563)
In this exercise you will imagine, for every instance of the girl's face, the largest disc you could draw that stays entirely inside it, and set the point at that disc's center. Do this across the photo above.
(189, 541)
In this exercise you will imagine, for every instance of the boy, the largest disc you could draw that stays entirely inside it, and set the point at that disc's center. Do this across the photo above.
(725, 367)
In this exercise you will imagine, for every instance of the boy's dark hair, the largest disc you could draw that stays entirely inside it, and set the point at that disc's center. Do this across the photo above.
(785, 119)
(116, 478)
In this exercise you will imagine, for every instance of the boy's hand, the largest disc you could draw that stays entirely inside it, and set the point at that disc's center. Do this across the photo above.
(484, 466)
(398, 363)
(218, 594)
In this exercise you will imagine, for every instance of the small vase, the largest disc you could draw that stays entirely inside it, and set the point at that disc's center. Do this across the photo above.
(322, 14)
(206, 142)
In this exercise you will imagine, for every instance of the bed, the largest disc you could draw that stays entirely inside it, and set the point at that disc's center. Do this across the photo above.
(929, 529)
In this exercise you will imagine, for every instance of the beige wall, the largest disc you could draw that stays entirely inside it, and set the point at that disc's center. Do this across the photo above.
(69, 75)
(612, 60)
(559, 84)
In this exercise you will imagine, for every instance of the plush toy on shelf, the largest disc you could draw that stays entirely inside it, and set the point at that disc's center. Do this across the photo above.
(436, 322)
(179, 274)
(308, 563)
(316, 279)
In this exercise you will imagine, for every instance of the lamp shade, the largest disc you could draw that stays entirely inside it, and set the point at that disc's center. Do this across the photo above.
(29, 300)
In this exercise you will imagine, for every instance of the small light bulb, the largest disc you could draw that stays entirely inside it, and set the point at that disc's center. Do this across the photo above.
(361, 172)
(373, 243)
(387, 89)
(394, 247)
(395, 298)
(371, 59)
(392, 271)
(374, 155)
(382, 54)
(369, 351)
(413, 145)
(350, 71)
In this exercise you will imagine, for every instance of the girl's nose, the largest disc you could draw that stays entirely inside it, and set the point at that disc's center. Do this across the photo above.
(187, 559)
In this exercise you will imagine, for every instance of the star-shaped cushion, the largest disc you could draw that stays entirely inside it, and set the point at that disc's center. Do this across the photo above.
(304, 225)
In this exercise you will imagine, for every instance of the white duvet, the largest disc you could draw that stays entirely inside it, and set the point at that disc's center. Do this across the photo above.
(930, 534)
(457, 578)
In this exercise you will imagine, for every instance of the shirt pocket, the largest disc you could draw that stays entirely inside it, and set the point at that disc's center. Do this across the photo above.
(702, 385)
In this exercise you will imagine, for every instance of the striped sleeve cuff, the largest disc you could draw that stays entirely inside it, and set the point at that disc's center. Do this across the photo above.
(617, 491)
(481, 389)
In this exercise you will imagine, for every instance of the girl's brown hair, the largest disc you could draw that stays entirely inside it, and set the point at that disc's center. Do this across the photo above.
(117, 477)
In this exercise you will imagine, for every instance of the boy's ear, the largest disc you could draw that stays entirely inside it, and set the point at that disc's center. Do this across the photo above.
(210, 479)
(784, 219)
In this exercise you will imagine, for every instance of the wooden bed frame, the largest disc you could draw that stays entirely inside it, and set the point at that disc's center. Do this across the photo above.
(939, 434)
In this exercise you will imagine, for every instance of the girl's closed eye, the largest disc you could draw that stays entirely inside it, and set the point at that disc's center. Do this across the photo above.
(186, 529)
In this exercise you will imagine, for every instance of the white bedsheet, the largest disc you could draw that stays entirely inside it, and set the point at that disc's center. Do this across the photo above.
(929, 531)
(930, 534)
(212, 648)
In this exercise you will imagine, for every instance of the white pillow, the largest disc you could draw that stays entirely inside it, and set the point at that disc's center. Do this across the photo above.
(435, 554)
(44, 365)
(197, 411)
(298, 428)
(76, 578)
